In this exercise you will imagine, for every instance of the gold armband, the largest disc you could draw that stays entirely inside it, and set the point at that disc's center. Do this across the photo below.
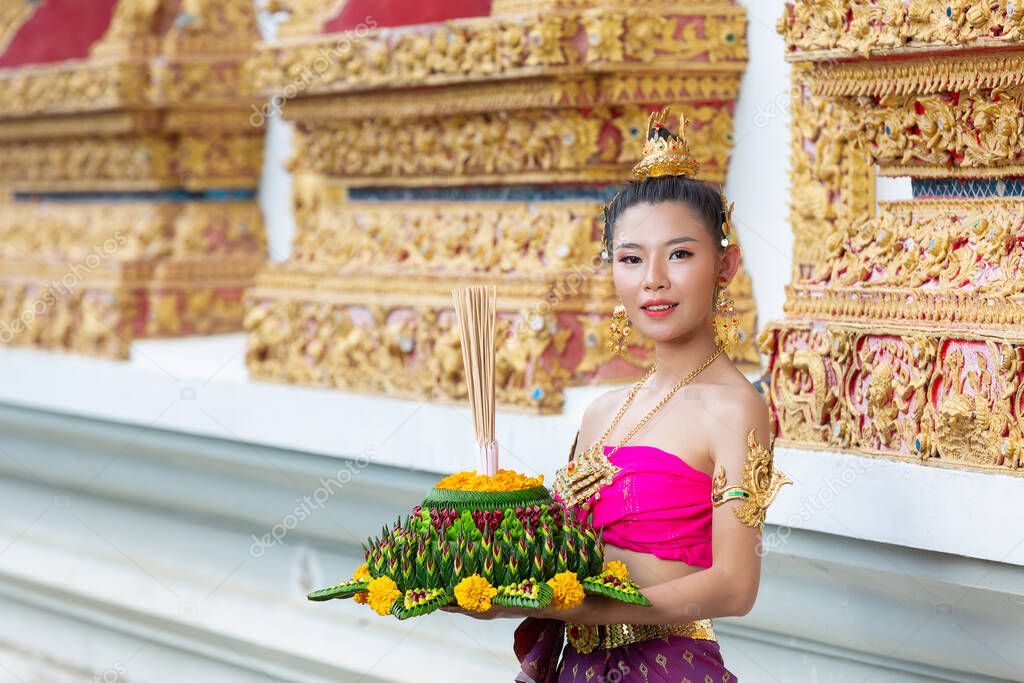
(761, 483)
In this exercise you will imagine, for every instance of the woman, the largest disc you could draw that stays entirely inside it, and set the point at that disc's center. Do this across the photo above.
(682, 505)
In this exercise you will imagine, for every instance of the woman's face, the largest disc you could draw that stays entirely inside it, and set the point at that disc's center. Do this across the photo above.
(664, 253)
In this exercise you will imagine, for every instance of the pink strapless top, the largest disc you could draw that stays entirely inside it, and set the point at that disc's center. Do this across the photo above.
(656, 504)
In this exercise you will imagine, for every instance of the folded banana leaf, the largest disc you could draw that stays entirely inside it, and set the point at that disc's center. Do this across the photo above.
(528, 593)
(611, 586)
(417, 602)
(345, 589)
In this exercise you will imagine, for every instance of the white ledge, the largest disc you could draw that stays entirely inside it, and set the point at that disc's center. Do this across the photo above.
(200, 386)
(903, 503)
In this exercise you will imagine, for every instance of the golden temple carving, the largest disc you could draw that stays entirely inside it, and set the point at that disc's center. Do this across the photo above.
(158, 108)
(902, 334)
(530, 96)
(526, 146)
(696, 8)
(816, 29)
(709, 38)
(12, 16)
(159, 105)
(899, 391)
(90, 278)
(305, 17)
(833, 180)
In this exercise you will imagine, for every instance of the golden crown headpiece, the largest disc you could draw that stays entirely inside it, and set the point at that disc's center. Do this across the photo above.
(669, 154)
(665, 154)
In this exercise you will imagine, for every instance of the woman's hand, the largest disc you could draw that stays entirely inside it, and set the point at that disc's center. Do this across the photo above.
(495, 612)
(501, 612)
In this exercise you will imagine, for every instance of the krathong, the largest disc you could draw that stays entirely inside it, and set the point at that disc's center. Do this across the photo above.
(484, 538)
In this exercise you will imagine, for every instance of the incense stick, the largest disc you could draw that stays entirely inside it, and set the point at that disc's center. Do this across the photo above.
(475, 311)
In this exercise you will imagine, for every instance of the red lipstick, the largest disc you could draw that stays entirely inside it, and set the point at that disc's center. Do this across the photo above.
(663, 307)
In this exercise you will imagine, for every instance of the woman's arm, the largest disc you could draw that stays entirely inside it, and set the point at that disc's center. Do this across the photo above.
(729, 587)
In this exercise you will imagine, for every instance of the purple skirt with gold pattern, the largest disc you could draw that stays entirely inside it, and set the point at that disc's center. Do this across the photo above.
(593, 654)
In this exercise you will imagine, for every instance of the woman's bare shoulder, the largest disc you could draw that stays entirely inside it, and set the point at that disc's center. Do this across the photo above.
(734, 390)
(733, 408)
(599, 413)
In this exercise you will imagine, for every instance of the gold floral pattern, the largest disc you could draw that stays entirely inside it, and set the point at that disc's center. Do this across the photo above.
(902, 330)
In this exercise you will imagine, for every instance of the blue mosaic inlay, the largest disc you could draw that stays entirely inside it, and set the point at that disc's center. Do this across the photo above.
(155, 195)
(599, 193)
(955, 188)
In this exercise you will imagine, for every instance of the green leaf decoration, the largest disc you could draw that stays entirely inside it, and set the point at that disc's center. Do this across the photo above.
(537, 566)
(611, 586)
(466, 501)
(342, 590)
(529, 593)
(512, 571)
(416, 602)
(561, 561)
(487, 570)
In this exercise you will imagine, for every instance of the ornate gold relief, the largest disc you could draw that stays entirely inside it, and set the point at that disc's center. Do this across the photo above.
(903, 324)
(939, 74)
(409, 352)
(551, 96)
(355, 264)
(967, 134)
(697, 8)
(160, 104)
(519, 146)
(914, 394)
(13, 16)
(832, 178)
(112, 122)
(90, 277)
(305, 17)
(933, 246)
(481, 49)
(818, 29)
(85, 87)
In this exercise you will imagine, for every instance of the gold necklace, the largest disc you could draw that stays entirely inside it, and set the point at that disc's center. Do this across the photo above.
(582, 477)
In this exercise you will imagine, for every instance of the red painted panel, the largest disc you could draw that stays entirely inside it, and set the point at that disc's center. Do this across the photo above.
(59, 30)
(403, 12)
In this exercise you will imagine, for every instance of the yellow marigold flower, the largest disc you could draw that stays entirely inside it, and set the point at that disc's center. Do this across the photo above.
(618, 568)
(362, 573)
(360, 597)
(504, 480)
(567, 590)
(383, 591)
(475, 593)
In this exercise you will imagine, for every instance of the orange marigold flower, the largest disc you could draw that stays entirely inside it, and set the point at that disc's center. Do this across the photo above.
(360, 597)
(567, 590)
(362, 573)
(474, 593)
(383, 591)
(503, 480)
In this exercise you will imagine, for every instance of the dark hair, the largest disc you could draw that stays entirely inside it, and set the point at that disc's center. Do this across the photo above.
(698, 195)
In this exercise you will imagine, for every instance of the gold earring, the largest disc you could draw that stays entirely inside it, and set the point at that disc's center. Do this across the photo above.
(726, 322)
(619, 331)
